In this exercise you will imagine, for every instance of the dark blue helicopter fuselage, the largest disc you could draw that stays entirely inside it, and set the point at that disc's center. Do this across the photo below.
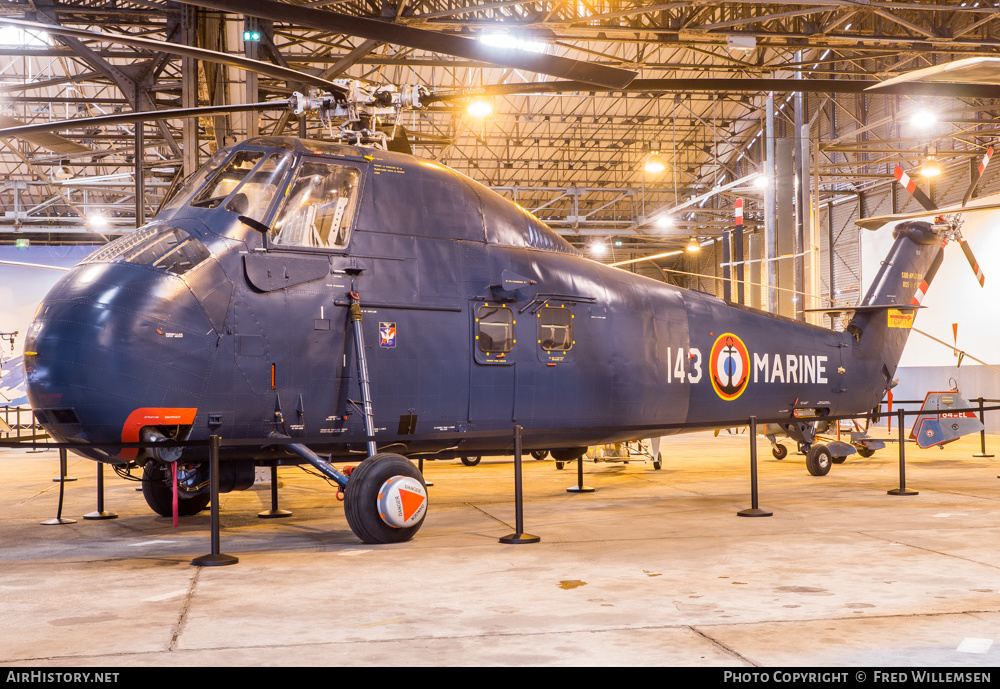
(250, 337)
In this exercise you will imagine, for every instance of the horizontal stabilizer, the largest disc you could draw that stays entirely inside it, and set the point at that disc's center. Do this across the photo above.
(944, 417)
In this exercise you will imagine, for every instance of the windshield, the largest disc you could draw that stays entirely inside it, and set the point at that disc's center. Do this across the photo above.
(248, 184)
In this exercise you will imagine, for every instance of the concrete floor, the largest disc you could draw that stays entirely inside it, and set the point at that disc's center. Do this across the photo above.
(654, 568)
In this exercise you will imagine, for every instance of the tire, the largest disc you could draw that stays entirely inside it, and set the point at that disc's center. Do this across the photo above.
(658, 462)
(819, 460)
(560, 465)
(865, 452)
(779, 451)
(838, 460)
(539, 454)
(471, 461)
(159, 494)
(362, 493)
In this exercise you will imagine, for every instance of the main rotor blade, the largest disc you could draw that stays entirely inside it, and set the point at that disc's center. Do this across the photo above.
(398, 34)
(907, 183)
(130, 117)
(978, 175)
(972, 70)
(239, 61)
(728, 86)
(52, 142)
(973, 262)
(877, 221)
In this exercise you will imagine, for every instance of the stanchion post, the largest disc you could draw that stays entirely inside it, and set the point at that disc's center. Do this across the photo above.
(100, 513)
(982, 433)
(420, 467)
(579, 487)
(518, 536)
(215, 558)
(754, 510)
(902, 458)
(62, 489)
(274, 512)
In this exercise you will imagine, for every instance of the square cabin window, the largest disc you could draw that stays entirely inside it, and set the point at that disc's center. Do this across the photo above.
(494, 329)
(555, 329)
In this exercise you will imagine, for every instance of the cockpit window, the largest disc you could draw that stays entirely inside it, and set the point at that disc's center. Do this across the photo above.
(254, 197)
(319, 206)
(175, 251)
(227, 180)
(194, 182)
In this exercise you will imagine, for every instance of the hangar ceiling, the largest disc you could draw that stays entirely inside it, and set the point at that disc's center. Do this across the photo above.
(574, 156)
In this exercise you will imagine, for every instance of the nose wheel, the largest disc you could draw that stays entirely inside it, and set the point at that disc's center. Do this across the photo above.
(385, 500)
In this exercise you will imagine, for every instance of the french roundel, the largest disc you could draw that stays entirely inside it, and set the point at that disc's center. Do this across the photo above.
(729, 366)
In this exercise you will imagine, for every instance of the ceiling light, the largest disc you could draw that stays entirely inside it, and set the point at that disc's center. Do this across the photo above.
(930, 168)
(654, 163)
(479, 109)
(760, 182)
(664, 221)
(97, 222)
(693, 246)
(923, 118)
(508, 42)
(598, 248)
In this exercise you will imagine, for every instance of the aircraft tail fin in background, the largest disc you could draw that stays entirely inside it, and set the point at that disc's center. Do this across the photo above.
(883, 320)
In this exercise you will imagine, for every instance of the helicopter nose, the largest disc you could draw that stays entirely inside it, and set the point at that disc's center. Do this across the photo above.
(115, 346)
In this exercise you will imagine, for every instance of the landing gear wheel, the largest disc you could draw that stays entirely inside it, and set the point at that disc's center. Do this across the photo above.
(560, 465)
(159, 493)
(658, 462)
(865, 452)
(819, 460)
(381, 483)
(779, 451)
(539, 454)
(838, 460)
(471, 461)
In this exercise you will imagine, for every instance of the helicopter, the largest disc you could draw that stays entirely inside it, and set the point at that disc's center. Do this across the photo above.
(375, 305)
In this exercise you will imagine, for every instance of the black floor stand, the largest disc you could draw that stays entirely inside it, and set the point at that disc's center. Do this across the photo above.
(902, 462)
(274, 512)
(100, 513)
(215, 558)
(420, 466)
(519, 536)
(62, 489)
(579, 487)
(982, 434)
(754, 510)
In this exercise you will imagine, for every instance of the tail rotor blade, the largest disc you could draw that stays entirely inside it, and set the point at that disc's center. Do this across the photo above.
(978, 175)
(911, 186)
(973, 262)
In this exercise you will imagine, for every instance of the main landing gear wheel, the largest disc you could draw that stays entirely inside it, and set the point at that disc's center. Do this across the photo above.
(819, 460)
(865, 452)
(539, 454)
(658, 462)
(159, 493)
(779, 451)
(471, 461)
(385, 500)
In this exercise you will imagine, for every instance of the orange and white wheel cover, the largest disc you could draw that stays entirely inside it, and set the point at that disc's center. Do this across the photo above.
(402, 501)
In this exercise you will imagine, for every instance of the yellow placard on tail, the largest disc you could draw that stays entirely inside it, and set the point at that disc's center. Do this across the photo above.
(900, 319)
